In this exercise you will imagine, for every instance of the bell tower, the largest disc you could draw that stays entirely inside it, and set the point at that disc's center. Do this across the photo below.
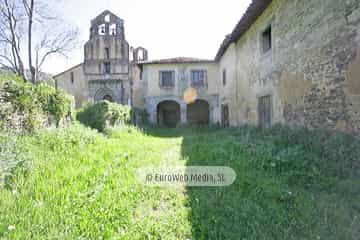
(107, 51)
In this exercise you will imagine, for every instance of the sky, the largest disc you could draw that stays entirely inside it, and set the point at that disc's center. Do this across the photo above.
(167, 28)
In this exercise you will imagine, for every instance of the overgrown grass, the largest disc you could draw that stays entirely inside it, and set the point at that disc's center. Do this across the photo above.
(79, 184)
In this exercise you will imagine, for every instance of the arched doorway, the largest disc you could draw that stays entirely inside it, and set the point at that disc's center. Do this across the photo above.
(108, 98)
(198, 113)
(104, 94)
(168, 113)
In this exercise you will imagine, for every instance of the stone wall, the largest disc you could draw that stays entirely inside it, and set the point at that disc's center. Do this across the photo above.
(312, 70)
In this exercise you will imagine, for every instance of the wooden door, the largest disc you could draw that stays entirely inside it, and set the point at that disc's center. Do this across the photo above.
(225, 115)
(265, 106)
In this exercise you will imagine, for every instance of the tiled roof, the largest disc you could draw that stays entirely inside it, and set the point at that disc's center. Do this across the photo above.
(176, 60)
(255, 9)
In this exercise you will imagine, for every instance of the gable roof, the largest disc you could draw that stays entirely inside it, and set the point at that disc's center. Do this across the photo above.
(176, 60)
(253, 12)
(100, 17)
(68, 70)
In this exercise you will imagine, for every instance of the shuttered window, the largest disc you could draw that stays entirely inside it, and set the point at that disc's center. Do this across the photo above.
(167, 79)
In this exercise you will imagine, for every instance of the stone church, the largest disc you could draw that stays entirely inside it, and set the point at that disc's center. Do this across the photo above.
(105, 73)
(294, 62)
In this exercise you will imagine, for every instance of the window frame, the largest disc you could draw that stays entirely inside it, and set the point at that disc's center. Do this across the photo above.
(107, 53)
(204, 80)
(161, 82)
(107, 70)
(72, 77)
(267, 38)
(224, 77)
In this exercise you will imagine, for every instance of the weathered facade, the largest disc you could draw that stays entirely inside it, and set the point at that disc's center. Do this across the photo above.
(293, 62)
(197, 75)
(303, 56)
(105, 72)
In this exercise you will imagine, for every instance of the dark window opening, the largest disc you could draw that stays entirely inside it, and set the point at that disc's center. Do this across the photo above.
(224, 77)
(266, 40)
(72, 77)
(167, 78)
(107, 68)
(198, 78)
(107, 53)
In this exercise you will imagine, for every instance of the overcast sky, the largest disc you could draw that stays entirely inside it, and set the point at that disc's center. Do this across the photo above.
(167, 28)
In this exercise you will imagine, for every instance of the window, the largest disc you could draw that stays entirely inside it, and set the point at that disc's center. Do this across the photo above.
(72, 77)
(266, 40)
(107, 53)
(107, 18)
(264, 110)
(113, 29)
(224, 77)
(167, 78)
(198, 78)
(101, 29)
(107, 67)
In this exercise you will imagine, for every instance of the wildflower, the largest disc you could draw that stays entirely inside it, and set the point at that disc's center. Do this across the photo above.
(14, 192)
(38, 204)
(11, 228)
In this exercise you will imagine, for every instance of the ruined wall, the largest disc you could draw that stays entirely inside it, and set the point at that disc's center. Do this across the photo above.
(312, 70)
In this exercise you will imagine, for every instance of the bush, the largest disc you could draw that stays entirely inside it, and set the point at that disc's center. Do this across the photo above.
(32, 101)
(104, 114)
(139, 116)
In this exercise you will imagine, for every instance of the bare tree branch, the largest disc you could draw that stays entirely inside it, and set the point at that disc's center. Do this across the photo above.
(33, 23)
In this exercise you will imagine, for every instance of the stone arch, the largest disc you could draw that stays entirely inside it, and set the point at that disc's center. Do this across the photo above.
(104, 94)
(168, 113)
(198, 112)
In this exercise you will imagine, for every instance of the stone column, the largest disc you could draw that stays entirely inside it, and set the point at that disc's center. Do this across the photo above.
(183, 113)
(151, 106)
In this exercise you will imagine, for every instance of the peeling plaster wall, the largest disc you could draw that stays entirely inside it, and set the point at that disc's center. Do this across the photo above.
(228, 63)
(312, 70)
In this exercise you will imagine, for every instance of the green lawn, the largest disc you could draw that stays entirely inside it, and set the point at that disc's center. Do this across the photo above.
(79, 184)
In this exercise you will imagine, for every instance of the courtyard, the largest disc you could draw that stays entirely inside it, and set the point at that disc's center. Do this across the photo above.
(81, 184)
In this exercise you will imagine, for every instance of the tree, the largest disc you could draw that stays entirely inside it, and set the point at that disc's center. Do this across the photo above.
(31, 23)
(10, 36)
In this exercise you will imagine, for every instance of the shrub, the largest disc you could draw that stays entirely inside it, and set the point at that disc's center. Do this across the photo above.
(139, 116)
(34, 101)
(104, 114)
